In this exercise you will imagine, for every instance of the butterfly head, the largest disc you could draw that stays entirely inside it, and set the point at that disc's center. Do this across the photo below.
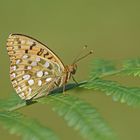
(72, 68)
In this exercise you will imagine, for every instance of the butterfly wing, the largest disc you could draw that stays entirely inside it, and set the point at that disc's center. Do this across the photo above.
(34, 67)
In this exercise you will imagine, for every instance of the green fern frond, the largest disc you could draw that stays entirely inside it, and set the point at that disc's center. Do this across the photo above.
(81, 116)
(132, 67)
(10, 102)
(27, 128)
(131, 96)
(100, 66)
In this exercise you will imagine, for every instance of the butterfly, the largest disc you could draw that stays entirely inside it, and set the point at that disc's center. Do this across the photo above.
(35, 68)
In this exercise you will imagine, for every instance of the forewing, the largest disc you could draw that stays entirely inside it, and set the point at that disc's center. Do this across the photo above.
(33, 66)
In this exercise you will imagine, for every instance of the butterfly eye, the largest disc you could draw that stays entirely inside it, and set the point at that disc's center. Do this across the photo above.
(73, 71)
(72, 68)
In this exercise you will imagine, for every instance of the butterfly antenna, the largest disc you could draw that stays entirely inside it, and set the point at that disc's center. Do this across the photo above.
(89, 53)
(75, 59)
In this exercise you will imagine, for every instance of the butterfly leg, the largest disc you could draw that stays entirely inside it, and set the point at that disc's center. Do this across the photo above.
(64, 87)
(74, 79)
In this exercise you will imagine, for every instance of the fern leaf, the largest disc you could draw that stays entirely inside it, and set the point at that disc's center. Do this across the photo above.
(28, 129)
(100, 67)
(132, 67)
(81, 116)
(131, 96)
(10, 102)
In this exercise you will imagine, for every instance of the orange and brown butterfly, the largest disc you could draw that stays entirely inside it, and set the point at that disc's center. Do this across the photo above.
(35, 69)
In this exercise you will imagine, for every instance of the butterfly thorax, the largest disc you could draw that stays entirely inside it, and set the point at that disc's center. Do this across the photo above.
(70, 70)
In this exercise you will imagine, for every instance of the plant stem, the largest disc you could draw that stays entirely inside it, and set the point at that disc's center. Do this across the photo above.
(111, 73)
(17, 106)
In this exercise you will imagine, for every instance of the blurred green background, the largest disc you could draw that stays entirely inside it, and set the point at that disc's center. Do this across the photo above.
(110, 27)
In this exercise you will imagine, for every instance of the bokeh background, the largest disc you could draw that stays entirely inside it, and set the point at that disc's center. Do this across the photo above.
(110, 27)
